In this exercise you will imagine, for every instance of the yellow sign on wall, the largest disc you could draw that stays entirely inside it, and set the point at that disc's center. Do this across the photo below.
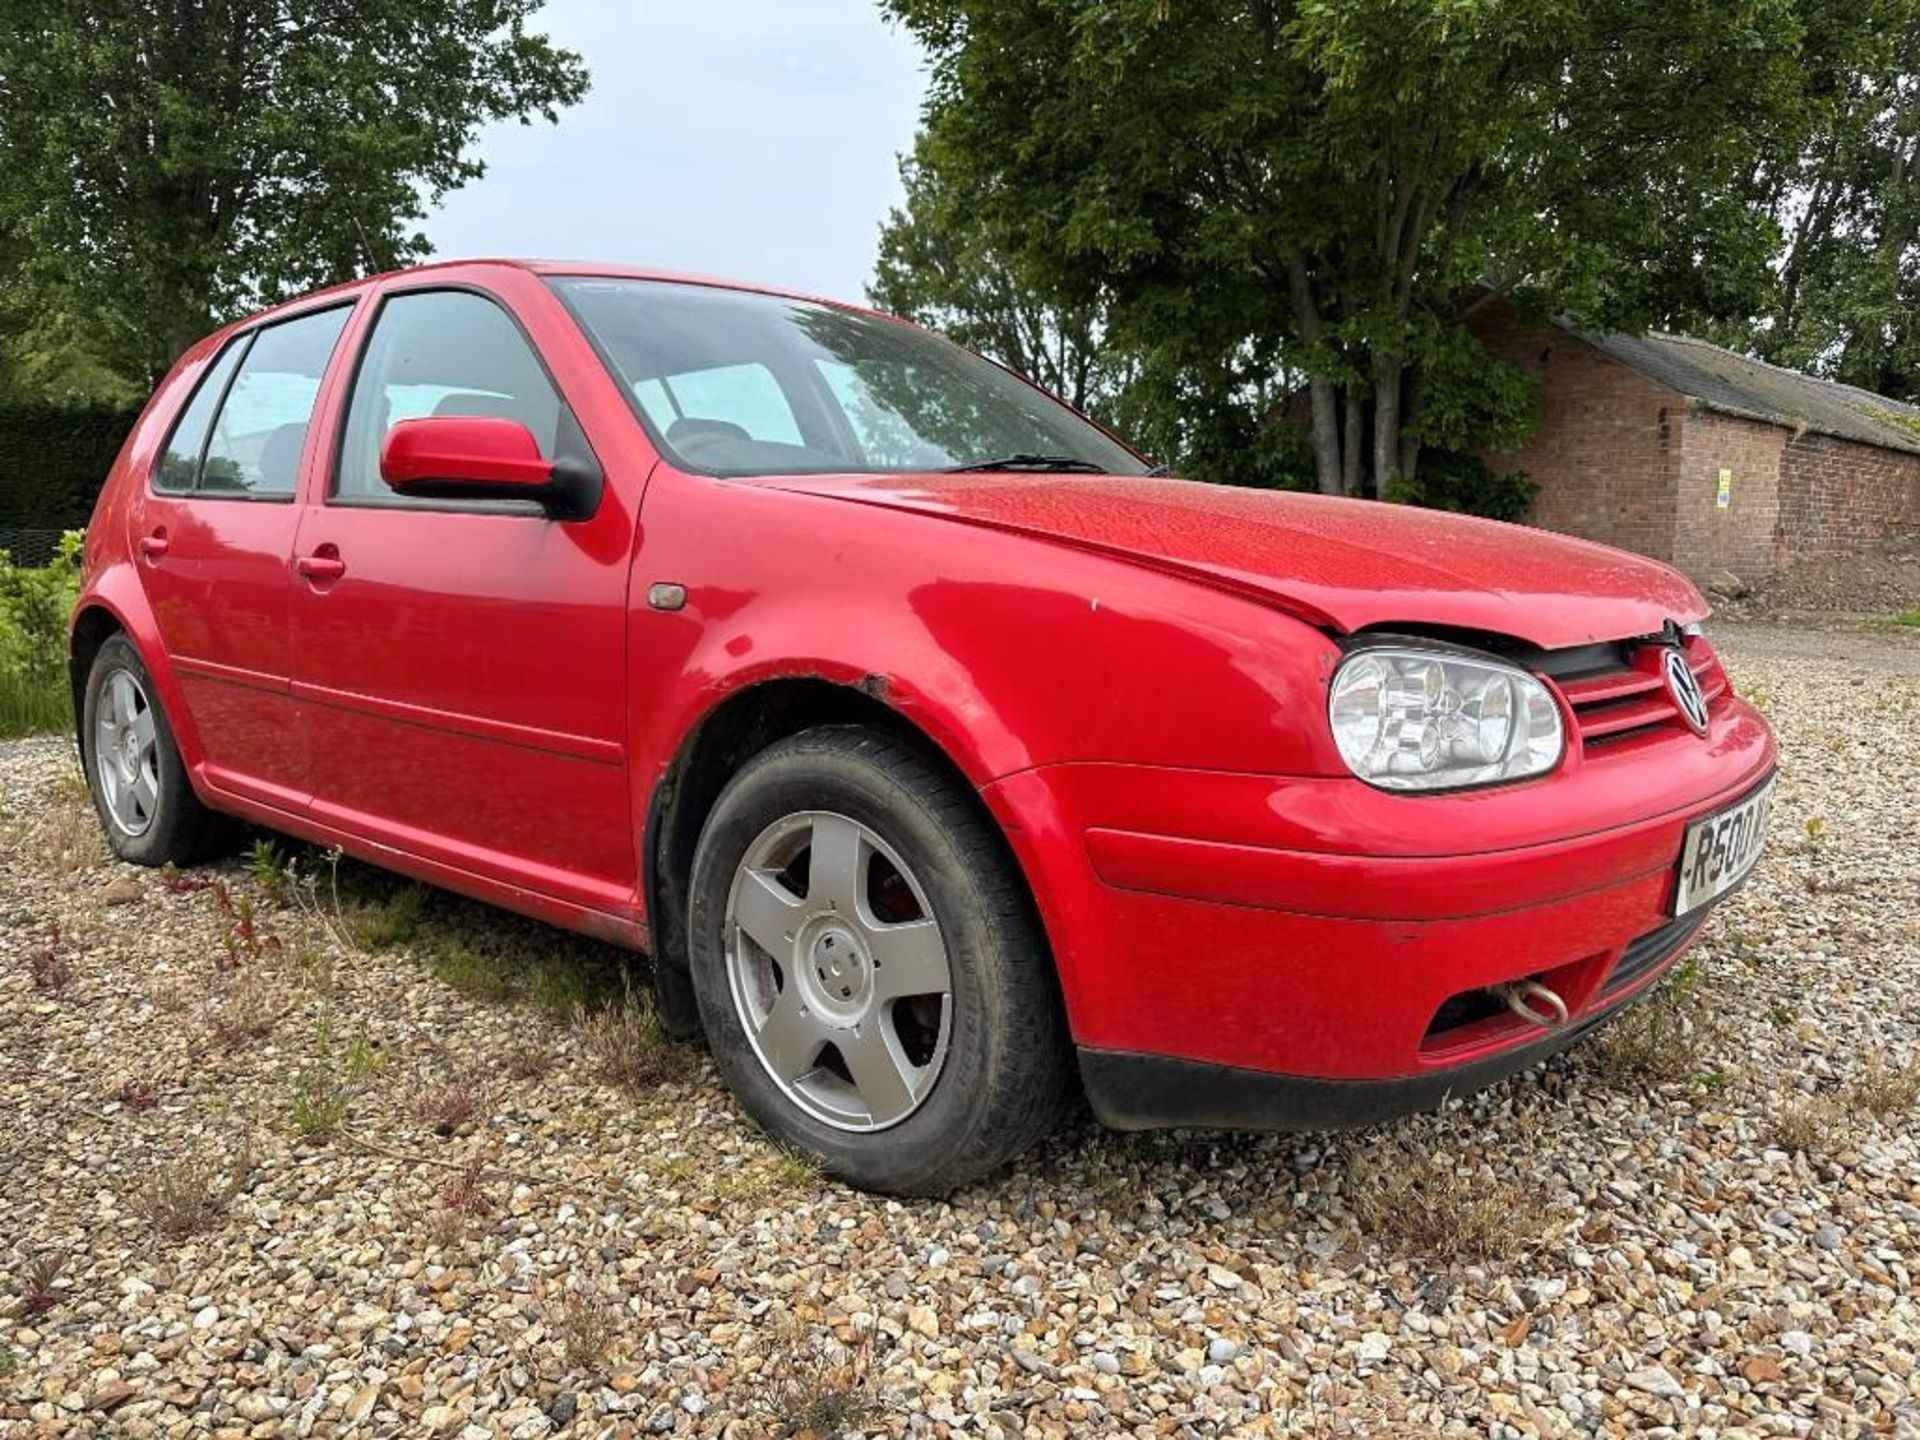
(1724, 496)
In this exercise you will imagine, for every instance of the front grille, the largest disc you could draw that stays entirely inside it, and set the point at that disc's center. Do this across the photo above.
(1617, 692)
(1652, 950)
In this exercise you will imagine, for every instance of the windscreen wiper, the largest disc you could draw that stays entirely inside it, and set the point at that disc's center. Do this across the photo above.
(1022, 460)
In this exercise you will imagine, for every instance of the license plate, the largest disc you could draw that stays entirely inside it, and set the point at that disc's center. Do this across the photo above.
(1720, 849)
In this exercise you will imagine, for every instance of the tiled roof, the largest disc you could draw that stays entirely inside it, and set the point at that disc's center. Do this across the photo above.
(1721, 380)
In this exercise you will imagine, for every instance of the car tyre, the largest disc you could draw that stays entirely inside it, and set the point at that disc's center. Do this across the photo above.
(134, 770)
(979, 1072)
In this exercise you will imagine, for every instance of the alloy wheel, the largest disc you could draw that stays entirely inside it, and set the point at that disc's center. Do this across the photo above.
(126, 753)
(838, 971)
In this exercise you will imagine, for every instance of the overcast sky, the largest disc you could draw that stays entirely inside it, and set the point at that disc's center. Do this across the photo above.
(756, 139)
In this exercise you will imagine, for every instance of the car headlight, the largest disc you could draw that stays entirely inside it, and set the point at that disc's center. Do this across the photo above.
(1411, 719)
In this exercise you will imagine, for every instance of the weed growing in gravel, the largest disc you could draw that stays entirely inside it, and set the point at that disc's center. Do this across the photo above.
(269, 866)
(627, 1044)
(587, 1322)
(38, 1277)
(190, 1195)
(45, 967)
(454, 1104)
(9, 1362)
(324, 1088)
(61, 831)
(384, 924)
(761, 1178)
(1418, 1201)
(529, 1059)
(1668, 1037)
(1886, 1092)
(138, 1094)
(247, 939)
(1909, 618)
(246, 1011)
(1809, 1125)
(176, 881)
(462, 1199)
(814, 1388)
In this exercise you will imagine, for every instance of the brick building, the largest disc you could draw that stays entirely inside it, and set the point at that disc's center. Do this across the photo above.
(1703, 458)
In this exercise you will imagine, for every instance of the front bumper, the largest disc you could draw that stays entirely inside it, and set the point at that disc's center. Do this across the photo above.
(1131, 1091)
(1258, 951)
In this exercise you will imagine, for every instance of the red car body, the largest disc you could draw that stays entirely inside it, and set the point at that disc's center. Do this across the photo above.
(1132, 673)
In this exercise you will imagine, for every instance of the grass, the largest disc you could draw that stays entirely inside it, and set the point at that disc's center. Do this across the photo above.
(1808, 1125)
(628, 1046)
(245, 1011)
(59, 828)
(1909, 618)
(190, 1195)
(587, 1323)
(1886, 1092)
(389, 922)
(324, 1088)
(816, 1390)
(1418, 1201)
(30, 706)
(1669, 1037)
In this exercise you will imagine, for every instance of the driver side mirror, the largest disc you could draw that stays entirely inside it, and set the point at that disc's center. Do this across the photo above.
(483, 457)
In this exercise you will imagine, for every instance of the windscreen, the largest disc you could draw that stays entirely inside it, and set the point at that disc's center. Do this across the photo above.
(730, 382)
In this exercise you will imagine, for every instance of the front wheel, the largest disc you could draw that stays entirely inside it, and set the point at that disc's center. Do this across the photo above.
(868, 967)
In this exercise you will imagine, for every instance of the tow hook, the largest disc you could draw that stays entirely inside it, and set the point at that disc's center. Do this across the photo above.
(1523, 996)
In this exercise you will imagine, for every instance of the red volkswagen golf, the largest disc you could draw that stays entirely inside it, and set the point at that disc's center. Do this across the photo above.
(946, 760)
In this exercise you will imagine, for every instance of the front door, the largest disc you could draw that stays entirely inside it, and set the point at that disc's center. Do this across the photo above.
(214, 532)
(461, 665)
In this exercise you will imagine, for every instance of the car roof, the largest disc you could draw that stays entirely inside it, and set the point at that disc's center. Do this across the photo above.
(585, 269)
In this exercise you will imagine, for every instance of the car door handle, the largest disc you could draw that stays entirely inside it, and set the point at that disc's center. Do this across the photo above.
(321, 566)
(155, 545)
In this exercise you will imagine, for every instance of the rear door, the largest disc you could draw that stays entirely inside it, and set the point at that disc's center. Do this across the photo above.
(461, 665)
(214, 533)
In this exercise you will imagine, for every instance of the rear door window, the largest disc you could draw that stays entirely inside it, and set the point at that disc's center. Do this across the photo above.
(254, 450)
(179, 468)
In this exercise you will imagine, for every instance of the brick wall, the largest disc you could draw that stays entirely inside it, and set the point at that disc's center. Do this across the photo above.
(1836, 495)
(1743, 536)
(1628, 462)
(1604, 452)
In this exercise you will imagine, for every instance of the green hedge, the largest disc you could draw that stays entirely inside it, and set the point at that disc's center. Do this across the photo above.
(53, 460)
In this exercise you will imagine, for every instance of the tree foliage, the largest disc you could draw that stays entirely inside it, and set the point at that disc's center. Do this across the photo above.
(1846, 202)
(165, 164)
(1326, 188)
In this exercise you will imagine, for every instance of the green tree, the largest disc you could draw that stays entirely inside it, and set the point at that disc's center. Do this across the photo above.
(944, 263)
(165, 164)
(1327, 187)
(1847, 203)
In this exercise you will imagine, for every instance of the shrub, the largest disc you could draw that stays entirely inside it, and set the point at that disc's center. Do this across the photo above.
(34, 604)
(1465, 484)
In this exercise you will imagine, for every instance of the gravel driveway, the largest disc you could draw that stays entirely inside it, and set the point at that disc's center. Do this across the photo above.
(505, 1219)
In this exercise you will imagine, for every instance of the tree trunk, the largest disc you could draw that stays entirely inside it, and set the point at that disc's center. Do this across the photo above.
(1409, 442)
(1353, 452)
(1326, 434)
(1388, 370)
(1321, 393)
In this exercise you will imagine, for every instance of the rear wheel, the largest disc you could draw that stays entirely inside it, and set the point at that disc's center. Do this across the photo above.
(868, 968)
(139, 782)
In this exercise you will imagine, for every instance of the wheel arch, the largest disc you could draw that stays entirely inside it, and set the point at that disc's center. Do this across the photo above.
(115, 604)
(739, 725)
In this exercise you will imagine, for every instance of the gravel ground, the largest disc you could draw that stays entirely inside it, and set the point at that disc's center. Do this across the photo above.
(1706, 1225)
